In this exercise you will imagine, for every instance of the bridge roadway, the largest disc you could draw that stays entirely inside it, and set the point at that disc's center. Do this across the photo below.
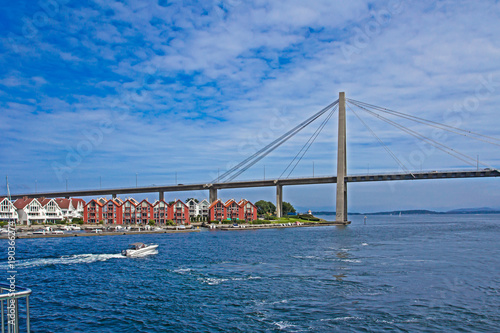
(267, 183)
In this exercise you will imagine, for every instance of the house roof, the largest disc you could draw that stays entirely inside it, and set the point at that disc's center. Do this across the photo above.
(44, 201)
(145, 200)
(94, 200)
(158, 201)
(63, 203)
(179, 200)
(215, 203)
(114, 201)
(76, 201)
(22, 202)
(132, 201)
(243, 202)
(3, 198)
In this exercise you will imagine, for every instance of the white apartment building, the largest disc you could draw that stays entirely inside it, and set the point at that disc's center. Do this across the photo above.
(198, 209)
(7, 210)
(71, 208)
(42, 210)
(29, 211)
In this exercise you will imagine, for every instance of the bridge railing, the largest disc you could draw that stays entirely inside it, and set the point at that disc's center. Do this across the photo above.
(375, 173)
(9, 303)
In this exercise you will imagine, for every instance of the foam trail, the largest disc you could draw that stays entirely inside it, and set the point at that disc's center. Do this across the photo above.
(65, 260)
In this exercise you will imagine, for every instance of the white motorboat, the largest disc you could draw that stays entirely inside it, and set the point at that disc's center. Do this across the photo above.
(140, 249)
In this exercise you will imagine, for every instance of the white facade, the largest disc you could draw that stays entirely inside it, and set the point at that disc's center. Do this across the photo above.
(71, 208)
(7, 211)
(31, 212)
(53, 213)
(198, 208)
(203, 207)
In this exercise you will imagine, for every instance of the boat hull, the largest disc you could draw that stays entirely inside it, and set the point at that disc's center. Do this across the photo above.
(151, 249)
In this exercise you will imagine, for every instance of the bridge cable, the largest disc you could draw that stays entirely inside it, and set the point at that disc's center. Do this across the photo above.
(401, 164)
(430, 141)
(431, 123)
(271, 147)
(420, 137)
(308, 144)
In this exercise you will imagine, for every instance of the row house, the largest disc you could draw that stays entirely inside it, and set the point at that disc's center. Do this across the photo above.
(128, 211)
(115, 211)
(29, 211)
(144, 212)
(243, 210)
(248, 211)
(92, 211)
(161, 212)
(71, 208)
(8, 211)
(112, 212)
(217, 210)
(180, 212)
(53, 213)
(198, 209)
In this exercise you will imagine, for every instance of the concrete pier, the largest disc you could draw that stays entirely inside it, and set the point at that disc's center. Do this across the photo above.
(279, 200)
(213, 194)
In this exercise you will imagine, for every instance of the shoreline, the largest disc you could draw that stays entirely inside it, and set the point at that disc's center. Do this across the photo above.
(221, 227)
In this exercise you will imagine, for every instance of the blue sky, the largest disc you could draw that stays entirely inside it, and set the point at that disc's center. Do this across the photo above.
(105, 90)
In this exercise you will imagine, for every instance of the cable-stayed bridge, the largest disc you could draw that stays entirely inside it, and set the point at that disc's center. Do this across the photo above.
(228, 179)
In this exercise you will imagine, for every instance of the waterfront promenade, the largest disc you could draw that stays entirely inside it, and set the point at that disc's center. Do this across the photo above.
(24, 232)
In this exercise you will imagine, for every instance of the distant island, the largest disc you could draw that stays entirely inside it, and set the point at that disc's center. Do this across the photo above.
(482, 210)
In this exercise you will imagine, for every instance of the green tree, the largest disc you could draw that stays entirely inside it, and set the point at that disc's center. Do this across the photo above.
(170, 203)
(195, 200)
(272, 207)
(264, 207)
(151, 222)
(287, 208)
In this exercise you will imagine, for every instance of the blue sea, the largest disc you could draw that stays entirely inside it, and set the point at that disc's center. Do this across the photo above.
(419, 273)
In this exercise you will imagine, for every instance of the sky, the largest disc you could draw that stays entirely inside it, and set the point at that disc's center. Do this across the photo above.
(104, 94)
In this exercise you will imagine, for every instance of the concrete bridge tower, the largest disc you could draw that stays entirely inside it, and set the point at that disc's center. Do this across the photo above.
(341, 207)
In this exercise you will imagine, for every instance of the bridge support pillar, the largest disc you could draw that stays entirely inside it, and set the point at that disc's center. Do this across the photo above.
(213, 195)
(341, 207)
(161, 196)
(279, 200)
(114, 195)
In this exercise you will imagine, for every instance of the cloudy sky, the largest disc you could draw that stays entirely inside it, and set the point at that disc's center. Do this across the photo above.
(101, 93)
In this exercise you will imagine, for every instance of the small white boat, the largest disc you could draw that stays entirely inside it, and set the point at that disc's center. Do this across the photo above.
(140, 249)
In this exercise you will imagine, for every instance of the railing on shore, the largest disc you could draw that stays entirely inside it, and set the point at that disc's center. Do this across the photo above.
(10, 307)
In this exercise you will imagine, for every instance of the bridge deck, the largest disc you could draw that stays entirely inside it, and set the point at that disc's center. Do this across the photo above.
(267, 183)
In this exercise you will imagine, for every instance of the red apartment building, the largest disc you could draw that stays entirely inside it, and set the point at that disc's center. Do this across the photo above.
(144, 212)
(92, 211)
(112, 212)
(161, 210)
(248, 211)
(232, 210)
(179, 212)
(217, 211)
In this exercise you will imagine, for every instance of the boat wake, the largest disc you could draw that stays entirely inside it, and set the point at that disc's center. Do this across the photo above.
(64, 260)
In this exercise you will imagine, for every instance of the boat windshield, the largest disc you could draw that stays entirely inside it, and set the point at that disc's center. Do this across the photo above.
(136, 246)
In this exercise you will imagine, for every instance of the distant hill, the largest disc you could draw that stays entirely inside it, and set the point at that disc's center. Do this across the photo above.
(482, 210)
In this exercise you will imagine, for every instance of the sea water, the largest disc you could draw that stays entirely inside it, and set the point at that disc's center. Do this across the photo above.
(412, 273)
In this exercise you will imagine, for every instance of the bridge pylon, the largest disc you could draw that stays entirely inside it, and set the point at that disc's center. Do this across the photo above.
(341, 207)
